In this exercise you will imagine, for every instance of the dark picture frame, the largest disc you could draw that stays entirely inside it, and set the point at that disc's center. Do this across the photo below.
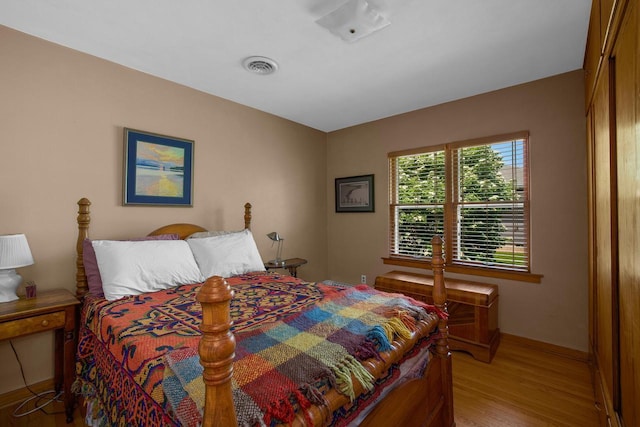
(158, 169)
(355, 194)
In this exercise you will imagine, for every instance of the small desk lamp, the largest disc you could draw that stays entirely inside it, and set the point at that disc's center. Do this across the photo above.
(14, 253)
(276, 238)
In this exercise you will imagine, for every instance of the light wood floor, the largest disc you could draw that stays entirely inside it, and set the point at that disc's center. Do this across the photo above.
(520, 388)
(55, 417)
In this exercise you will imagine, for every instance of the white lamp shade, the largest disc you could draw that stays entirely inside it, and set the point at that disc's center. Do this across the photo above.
(14, 252)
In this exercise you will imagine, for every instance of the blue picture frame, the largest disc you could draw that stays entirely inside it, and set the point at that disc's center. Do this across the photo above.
(158, 169)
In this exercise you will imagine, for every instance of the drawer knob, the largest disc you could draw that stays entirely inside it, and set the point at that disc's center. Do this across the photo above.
(45, 322)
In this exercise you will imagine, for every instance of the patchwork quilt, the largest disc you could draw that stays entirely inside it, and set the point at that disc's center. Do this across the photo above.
(137, 358)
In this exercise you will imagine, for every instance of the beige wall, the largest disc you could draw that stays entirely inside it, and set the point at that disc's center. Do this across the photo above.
(61, 119)
(552, 110)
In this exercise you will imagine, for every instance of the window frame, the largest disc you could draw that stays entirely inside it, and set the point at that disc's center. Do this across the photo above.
(450, 208)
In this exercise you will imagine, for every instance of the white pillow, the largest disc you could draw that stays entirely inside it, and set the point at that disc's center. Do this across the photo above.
(132, 268)
(202, 234)
(227, 255)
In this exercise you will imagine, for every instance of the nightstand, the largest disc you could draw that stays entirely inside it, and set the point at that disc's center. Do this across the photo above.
(290, 264)
(49, 310)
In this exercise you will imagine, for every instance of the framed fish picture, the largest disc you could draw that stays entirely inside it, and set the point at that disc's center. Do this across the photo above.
(355, 194)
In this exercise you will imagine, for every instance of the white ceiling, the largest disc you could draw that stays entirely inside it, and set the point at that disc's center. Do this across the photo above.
(434, 51)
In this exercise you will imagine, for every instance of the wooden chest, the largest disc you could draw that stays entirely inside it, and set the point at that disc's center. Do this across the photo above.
(473, 309)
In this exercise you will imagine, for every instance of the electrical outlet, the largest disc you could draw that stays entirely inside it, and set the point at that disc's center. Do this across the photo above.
(363, 278)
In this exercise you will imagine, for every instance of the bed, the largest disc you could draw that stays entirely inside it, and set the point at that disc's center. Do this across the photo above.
(197, 353)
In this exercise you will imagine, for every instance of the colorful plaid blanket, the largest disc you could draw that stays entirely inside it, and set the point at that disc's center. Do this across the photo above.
(279, 368)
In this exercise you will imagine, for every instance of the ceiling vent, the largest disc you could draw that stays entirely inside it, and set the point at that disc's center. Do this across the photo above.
(260, 65)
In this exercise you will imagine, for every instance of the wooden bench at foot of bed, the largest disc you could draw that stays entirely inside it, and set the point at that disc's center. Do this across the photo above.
(473, 309)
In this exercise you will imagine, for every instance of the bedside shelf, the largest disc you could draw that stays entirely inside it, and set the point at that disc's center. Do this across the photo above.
(290, 264)
(49, 310)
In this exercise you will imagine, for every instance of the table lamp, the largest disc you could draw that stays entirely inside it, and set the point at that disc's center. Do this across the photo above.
(14, 253)
(276, 238)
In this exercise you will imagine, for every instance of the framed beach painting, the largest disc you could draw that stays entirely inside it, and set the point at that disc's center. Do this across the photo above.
(158, 169)
(355, 194)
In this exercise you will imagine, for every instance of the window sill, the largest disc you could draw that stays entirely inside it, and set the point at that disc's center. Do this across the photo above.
(474, 271)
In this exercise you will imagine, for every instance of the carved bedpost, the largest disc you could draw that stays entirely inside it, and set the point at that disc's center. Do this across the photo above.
(440, 294)
(442, 345)
(217, 351)
(247, 215)
(83, 232)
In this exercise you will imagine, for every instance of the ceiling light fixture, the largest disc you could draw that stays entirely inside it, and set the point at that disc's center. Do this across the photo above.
(260, 65)
(354, 20)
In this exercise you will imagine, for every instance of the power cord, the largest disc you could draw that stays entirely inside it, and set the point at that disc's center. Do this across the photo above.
(37, 396)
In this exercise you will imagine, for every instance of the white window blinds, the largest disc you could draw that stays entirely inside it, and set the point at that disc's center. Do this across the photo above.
(420, 196)
(473, 193)
(489, 195)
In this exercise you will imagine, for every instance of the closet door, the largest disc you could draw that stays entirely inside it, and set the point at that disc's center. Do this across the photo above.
(627, 107)
(605, 243)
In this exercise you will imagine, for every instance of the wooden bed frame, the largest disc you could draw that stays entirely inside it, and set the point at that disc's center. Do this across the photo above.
(425, 401)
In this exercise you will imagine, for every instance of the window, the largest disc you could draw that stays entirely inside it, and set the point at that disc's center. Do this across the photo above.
(473, 193)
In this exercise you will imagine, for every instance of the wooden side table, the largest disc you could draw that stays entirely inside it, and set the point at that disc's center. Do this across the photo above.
(290, 264)
(49, 310)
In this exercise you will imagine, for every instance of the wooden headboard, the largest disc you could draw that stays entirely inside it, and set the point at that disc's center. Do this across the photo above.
(183, 230)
